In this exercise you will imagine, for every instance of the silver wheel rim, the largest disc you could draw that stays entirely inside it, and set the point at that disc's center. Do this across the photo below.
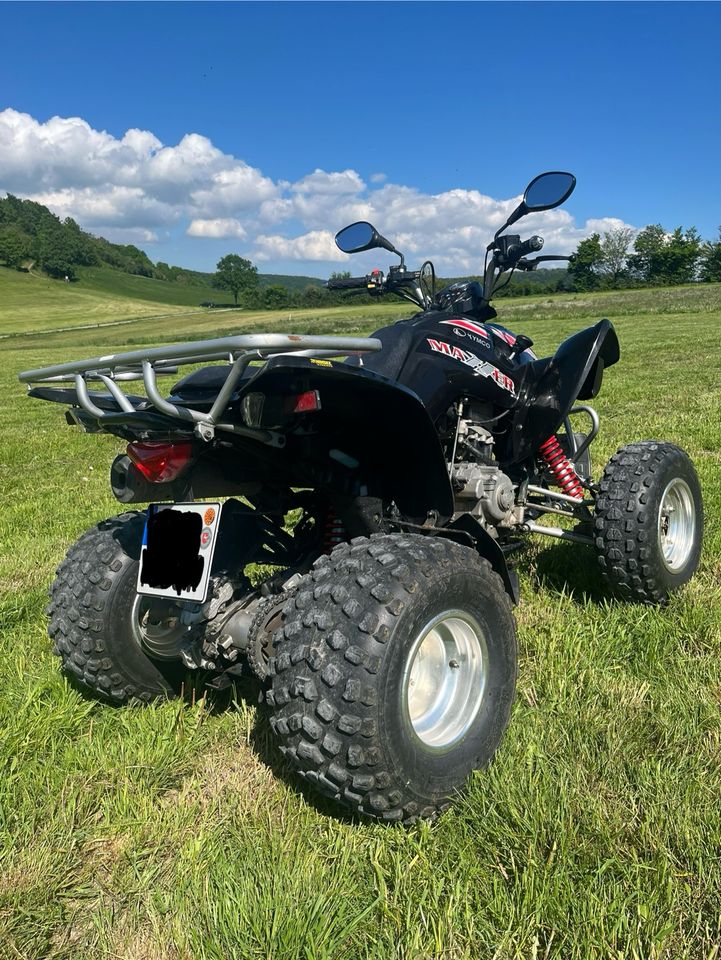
(444, 679)
(157, 627)
(676, 525)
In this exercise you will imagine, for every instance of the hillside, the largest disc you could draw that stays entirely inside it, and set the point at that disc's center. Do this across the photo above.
(31, 301)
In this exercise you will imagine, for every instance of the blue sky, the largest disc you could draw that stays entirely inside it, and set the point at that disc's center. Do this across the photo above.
(452, 107)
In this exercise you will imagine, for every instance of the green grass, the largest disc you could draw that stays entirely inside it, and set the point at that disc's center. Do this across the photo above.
(32, 303)
(108, 281)
(174, 832)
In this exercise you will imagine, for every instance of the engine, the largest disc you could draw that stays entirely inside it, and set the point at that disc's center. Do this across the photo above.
(480, 487)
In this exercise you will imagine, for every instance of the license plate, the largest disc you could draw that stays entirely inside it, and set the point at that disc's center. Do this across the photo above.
(177, 550)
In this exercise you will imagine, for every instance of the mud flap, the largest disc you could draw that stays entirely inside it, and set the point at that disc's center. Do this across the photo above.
(470, 529)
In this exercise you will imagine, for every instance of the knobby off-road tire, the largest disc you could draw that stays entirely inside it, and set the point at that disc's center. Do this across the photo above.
(92, 603)
(350, 709)
(648, 526)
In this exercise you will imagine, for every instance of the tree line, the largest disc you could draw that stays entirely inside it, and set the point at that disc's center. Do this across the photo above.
(654, 257)
(33, 237)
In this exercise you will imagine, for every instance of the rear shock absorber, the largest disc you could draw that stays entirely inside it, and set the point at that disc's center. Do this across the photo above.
(561, 468)
(334, 531)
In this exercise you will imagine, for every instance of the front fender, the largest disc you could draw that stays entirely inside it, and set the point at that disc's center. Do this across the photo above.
(553, 385)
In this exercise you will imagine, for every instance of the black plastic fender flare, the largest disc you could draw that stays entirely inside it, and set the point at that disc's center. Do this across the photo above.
(465, 528)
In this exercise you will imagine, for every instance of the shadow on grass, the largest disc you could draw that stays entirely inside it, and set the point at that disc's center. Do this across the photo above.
(244, 692)
(248, 691)
(570, 568)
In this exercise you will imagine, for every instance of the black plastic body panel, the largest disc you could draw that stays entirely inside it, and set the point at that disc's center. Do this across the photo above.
(381, 410)
(555, 383)
(368, 419)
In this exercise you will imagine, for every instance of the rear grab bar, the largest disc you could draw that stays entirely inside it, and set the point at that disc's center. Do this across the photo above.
(146, 365)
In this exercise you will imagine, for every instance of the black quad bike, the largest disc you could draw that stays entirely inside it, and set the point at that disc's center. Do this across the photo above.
(336, 514)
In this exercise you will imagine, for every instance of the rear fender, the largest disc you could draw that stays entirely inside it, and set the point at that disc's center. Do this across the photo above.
(376, 422)
(554, 384)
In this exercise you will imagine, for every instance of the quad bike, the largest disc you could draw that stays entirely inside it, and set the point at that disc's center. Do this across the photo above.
(374, 490)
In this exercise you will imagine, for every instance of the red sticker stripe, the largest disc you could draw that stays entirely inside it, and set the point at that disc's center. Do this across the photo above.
(504, 335)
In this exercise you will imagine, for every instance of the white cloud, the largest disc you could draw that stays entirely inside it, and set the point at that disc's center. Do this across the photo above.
(110, 206)
(134, 185)
(222, 227)
(97, 178)
(135, 235)
(316, 245)
(335, 184)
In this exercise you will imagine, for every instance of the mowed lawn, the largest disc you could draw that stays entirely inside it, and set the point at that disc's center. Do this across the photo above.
(176, 833)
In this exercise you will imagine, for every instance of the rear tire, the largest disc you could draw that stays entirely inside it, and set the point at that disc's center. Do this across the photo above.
(648, 527)
(93, 603)
(394, 673)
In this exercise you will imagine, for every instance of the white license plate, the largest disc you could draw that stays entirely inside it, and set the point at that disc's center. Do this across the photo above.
(177, 551)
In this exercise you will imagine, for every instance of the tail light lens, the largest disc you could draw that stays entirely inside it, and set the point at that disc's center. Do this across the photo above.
(302, 402)
(258, 410)
(160, 461)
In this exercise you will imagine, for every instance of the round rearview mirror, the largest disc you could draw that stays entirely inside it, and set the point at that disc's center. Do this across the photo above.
(548, 190)
(356, 237)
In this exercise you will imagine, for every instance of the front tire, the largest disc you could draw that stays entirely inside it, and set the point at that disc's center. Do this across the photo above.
(648, 527)
(394, 673)
(103, 631)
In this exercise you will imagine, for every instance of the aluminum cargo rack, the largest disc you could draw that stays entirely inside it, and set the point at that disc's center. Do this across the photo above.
(148, 364)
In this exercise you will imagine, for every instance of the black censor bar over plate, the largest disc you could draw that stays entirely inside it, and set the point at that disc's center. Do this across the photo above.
(172, 557)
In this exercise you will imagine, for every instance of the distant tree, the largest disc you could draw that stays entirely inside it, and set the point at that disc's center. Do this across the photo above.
(236, 274)
(585, 263)
(340, 275)
(711, 261)
(683, 253)
(15, 246)
(55, 251)
(162, 271)
(82, 245)
(666, 258)
(646, 261)
(275, 297)
(313, 296)
(614, 254)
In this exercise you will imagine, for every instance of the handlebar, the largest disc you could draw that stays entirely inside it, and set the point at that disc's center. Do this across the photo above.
(348, 283)
(517, 251)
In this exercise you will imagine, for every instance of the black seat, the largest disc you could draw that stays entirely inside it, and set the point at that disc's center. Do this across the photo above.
(203, 385)
(388, 362)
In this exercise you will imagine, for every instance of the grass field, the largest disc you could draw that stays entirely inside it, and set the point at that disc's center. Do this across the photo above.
(175, 832)
(32, 301)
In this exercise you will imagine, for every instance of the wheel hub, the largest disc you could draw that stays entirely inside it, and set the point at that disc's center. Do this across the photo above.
(444, 679)
(157, 627)
(676, 525)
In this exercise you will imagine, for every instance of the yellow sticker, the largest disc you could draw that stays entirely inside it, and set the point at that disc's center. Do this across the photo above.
(321, 363)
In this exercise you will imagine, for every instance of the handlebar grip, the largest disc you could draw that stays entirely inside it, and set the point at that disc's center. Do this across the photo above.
(347, 283)
(528, 246)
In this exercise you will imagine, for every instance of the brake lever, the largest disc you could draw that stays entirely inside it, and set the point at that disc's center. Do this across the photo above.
(533, 264)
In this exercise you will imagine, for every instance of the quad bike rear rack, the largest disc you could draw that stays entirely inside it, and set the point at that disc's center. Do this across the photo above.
(148, 364)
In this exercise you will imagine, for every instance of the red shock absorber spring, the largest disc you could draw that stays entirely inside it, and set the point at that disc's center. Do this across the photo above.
(334, 531)
(561, 468)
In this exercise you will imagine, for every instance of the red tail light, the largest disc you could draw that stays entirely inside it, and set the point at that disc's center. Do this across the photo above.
(302, 402)
(160, 461)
